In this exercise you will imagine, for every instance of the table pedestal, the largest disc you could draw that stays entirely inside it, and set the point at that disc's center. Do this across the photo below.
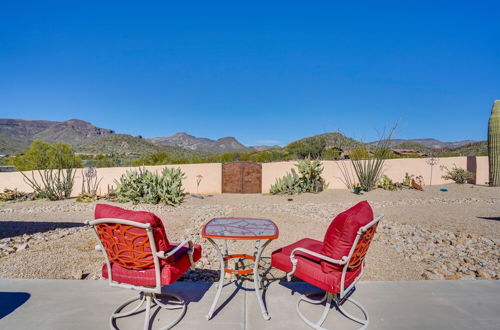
(223, 259)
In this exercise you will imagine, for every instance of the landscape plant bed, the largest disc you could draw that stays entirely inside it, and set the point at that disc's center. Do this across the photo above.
(425, 235)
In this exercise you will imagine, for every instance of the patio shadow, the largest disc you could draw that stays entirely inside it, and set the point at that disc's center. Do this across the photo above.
(298, 287)
(490, 218)
(16, 228)
(10, 301)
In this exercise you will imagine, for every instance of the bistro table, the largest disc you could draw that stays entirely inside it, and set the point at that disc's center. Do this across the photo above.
(240, 229)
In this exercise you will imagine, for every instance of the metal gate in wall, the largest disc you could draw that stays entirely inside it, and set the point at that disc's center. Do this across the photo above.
(242, 178)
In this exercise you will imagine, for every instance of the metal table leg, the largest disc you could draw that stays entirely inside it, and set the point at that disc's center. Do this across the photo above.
(221, 279)
(256, 280)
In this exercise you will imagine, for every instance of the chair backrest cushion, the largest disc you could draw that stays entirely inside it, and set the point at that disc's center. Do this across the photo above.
(342, 232)
(132, 250)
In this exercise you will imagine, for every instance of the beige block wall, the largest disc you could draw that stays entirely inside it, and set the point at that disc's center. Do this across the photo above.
(393, 168)
(210, 184)
(212, 174)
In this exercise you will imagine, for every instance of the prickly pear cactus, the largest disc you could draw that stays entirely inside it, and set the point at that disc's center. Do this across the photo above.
(494, 144)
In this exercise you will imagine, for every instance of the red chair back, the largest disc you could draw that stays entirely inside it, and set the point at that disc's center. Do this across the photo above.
(127, 246)
(362, 246)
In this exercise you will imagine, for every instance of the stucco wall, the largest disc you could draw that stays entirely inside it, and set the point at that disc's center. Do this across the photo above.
(210, 184)
(393, 168)
(212, 173)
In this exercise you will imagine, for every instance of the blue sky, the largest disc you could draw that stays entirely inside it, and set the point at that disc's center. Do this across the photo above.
(262, 71)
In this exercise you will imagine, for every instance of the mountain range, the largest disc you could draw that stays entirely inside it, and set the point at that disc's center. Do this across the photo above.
(17, 134)
(431, 143)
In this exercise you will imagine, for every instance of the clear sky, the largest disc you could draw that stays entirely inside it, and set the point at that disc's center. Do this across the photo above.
(265, 72)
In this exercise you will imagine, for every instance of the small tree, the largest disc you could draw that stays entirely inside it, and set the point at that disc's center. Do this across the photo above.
(52, 169)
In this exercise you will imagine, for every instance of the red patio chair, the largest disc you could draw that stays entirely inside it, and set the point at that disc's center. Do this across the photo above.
(139, 257)
(334, 265)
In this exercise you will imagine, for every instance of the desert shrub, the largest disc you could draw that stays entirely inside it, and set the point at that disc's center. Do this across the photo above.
(15, 195)
(407, 180)
(309, 180)
(330, 154)
(144, 186)
(53, 169)
(359, 153)
(370, 169)
(457, 174)
(311, 147)
(387, 184)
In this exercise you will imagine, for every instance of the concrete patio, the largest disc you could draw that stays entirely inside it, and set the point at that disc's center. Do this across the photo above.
(65, 304)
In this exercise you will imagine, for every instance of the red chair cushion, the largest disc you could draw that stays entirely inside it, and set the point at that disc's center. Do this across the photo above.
(309, 267)
(170, 272)
(342, 231)
(110, 211)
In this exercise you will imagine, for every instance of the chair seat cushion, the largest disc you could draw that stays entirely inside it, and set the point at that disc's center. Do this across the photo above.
(342, 232)
(170, 272)
(309, 267)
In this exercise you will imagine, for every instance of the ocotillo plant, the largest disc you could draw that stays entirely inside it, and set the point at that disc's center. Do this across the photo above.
(494, 144)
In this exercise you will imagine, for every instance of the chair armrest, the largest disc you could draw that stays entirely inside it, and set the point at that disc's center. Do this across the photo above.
(162, 255)
(314, 254)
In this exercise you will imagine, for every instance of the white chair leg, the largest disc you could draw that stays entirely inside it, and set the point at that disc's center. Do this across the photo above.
(328, 304)
(350, 316)
(329, 301)
(148, 309)
(149, 299)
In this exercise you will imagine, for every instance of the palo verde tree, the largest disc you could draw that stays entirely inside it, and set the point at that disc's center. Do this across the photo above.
(52, 169)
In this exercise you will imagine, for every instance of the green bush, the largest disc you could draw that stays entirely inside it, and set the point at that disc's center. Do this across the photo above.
(309, 180)
(311, 147)
(144, 186)
(459, 175)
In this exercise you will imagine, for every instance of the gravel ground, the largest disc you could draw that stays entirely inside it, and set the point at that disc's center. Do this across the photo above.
(424, 235)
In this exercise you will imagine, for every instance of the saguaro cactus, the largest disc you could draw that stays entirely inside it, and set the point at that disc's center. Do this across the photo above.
(494, 144)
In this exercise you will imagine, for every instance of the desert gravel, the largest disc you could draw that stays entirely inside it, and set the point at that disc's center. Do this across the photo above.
(424, 235)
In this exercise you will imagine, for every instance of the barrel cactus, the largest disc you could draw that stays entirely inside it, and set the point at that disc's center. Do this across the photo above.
(494, 144)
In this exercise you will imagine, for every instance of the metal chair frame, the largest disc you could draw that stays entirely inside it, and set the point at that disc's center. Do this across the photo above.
(147, 294)
(329, 298)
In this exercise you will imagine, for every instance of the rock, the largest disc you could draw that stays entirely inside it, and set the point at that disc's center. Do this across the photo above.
(468, 277)
(453, 277)
(482, 274)
(22, 247)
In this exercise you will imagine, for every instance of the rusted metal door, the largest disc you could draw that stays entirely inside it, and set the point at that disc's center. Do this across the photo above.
(242, 178)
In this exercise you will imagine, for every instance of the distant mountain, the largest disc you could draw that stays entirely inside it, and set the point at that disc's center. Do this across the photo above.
(264, 148)
(428, 142)
(131, 145)
(332, 139)
(72, 131)
(12, 146)
(186, 141)
(472, 149)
